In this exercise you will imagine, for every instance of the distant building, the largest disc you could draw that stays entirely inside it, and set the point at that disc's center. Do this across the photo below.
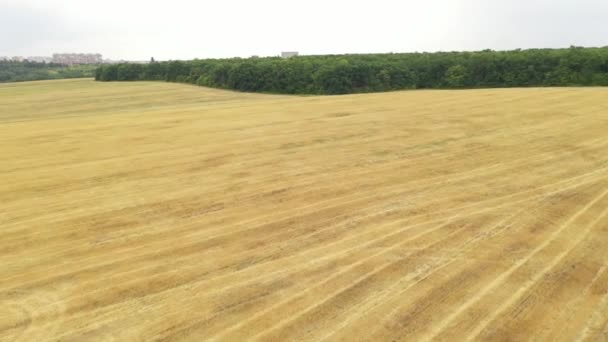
(40, 59)
(289, 54)
(77, 58)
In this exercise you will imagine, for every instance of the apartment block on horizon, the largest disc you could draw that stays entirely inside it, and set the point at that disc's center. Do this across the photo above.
(289, 54)
(77, 58)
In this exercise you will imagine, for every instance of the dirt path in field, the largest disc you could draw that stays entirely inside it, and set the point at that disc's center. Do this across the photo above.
(152, 211)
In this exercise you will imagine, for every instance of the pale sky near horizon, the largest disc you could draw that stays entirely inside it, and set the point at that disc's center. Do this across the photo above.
(186, 29)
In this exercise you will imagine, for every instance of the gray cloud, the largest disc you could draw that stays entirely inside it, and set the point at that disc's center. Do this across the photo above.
(182, 29)
(23, 28)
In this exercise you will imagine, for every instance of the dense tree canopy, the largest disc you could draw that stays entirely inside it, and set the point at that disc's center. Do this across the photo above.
(342, 74)
(12, 71)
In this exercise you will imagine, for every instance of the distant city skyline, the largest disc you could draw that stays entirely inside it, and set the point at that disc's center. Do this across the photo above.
(187, 29)
(61, 58)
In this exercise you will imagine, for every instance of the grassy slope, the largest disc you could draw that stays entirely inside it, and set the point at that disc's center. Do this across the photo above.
(140, 210)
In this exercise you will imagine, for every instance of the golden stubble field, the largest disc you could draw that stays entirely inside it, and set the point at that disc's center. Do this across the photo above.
(154, 211)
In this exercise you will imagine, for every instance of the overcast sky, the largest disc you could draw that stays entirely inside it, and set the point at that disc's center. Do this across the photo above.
(186, 29)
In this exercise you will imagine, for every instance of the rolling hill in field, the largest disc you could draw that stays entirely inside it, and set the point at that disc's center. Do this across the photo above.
(145, 211)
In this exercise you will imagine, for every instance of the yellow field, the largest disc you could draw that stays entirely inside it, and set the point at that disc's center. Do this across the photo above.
(142, 211)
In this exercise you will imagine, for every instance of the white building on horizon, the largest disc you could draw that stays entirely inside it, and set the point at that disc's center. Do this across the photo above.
(39, 59)
(77, 58)
(289, 54)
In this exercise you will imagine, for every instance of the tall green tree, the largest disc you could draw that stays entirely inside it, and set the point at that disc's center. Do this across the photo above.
(343, 74)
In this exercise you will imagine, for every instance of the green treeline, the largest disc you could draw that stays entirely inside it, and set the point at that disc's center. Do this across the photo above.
(12, 71)
(342, 74)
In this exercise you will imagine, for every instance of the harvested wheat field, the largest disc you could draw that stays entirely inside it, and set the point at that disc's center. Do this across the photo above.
(155, 211)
